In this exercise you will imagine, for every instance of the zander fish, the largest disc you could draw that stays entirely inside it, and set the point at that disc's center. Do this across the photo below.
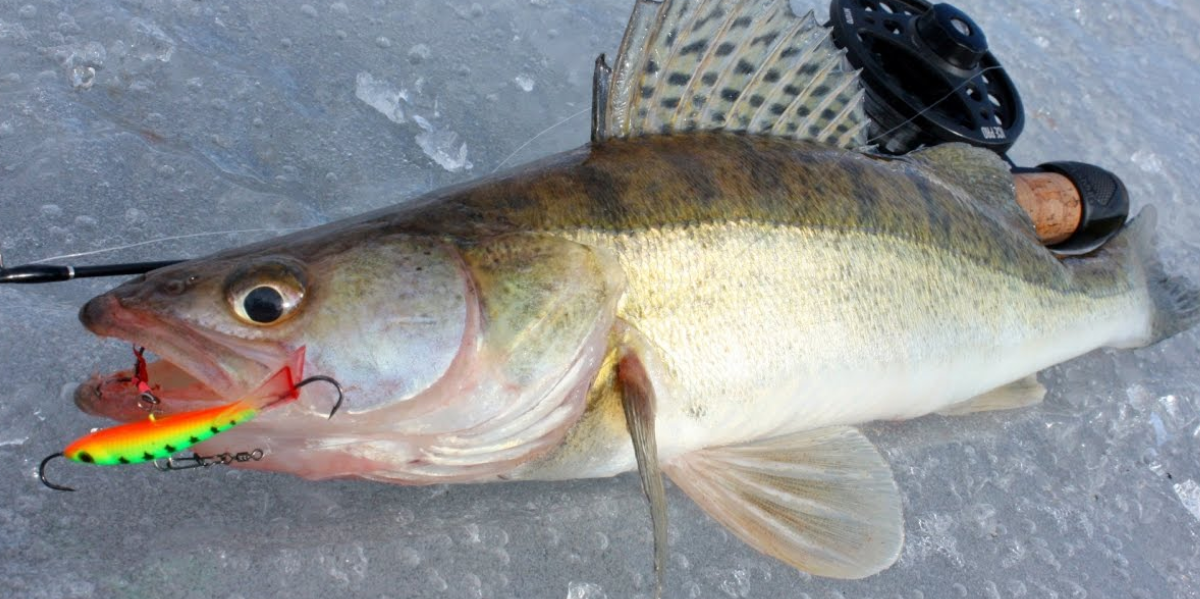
(718, 288)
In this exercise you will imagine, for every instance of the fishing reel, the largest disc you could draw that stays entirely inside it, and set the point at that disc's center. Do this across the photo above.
(929, 79)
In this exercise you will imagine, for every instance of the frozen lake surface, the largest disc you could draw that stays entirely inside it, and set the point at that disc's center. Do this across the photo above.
(123, 122)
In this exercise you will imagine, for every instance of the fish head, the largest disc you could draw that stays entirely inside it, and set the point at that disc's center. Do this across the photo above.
(411, 327)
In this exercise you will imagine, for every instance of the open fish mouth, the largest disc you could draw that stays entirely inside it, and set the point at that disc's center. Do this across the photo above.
(193, 369)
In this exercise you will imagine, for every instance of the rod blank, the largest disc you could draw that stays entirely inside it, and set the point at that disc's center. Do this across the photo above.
(51, 273)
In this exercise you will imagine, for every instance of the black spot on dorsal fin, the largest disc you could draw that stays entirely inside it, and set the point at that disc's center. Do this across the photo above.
(733, 65)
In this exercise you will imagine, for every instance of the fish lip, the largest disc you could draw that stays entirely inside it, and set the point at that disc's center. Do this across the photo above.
(226, 365)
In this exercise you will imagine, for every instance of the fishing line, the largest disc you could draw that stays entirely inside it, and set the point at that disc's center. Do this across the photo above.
(914, 117)
(163, 240)
(534, 138)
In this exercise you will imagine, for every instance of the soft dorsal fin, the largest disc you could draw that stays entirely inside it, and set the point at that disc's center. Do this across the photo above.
(979, 172)
(748, 66)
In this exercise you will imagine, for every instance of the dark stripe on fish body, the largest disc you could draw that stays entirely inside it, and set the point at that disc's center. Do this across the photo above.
(938, 221)
(863, 190)
(695, 181)
(643, 184)
(604, 193)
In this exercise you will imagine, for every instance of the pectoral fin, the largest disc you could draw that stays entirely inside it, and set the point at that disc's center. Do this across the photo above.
(823, 501)
(637, 397)
(1018, 394)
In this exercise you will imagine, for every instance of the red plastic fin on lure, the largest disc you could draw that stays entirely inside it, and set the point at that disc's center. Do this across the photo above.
(141, 374)
(141, 378)
(281, 387)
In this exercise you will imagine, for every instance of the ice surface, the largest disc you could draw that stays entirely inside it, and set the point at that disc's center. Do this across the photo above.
(123, 122)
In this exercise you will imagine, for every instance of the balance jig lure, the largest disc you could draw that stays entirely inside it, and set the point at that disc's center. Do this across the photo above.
(160, 437)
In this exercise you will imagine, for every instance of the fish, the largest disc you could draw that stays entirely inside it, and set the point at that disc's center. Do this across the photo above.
(717, 289)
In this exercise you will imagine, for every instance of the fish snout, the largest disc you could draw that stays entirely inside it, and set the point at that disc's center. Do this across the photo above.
(95, 315)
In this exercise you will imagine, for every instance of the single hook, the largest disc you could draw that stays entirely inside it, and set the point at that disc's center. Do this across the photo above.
(331, 381)
(42, 473)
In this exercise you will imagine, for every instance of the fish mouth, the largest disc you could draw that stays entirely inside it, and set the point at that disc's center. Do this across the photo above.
(194, 369)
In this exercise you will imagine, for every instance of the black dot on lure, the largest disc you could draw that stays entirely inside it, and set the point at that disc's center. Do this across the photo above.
(928, 74)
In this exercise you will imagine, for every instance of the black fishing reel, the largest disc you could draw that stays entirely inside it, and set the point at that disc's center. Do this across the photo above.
(930, 79)
(928, 74)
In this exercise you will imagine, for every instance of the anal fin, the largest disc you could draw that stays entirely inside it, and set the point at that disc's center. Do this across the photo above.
(823, 501)
(1017, 394)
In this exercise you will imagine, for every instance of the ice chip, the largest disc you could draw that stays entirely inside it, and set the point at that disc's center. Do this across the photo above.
(381, 96)
(440, 145)
(585, 590)
(1189, 495)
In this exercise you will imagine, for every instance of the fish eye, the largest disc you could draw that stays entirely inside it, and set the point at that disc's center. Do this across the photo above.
(263, 305)
(265, 293)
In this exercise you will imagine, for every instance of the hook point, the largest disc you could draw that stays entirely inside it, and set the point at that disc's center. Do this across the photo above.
(42, 472)
(331, 381)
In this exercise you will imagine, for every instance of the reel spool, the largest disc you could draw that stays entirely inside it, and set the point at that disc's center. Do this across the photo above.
(928, 74)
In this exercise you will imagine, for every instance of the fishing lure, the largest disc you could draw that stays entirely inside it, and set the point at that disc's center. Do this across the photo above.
(160, 437)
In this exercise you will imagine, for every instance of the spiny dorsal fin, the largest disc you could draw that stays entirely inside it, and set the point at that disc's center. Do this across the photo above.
(748, 66)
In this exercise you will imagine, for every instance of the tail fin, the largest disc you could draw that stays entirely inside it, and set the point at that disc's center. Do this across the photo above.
(1175, 301)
